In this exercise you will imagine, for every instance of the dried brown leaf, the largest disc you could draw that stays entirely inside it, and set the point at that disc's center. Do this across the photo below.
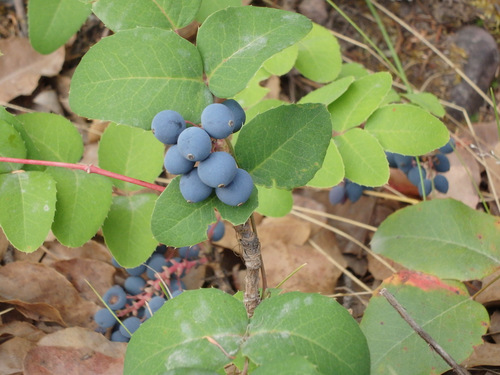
(21, 67)
(34, 283)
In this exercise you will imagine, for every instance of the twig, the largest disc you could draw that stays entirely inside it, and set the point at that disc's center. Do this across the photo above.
(86, 168)
(253, 261)
(424, 335)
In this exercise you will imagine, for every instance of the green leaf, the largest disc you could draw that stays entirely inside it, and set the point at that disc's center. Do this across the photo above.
(332, 170)
(131, 76)
(364, 159)
(285, 146)
(282, 62)
(359, 101)
(11, 145)
(319, 56)
(290, 365)
(52, 22)
(51, 137)
(127, 229)
(128, 14)
(310, 326)
(172, 216)
(427, 101)
(27, 205)
(355, 70)
(235, 42)
(328, 93)
(132, 152)
(211, 6)
(253, 92)
(443, 237)
(274, 202)
(188, 331)
(83, 201)
(391, 97)
(178, 223)
(261, 107)
(407, 129)
(442, 309)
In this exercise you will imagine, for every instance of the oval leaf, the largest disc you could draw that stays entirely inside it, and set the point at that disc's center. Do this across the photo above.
(427, 101)
(128, 14)
(119, 148)
(332, 170)
(443, 237)
(11, 145)
(319, 57)
(328, 93)
(310, 326)
(83, 201)
(131, 76)
(283, 61)
(51, 137)
(191, 330)
(441, 308)
(274, 202)
(27, 205)
(178, 223)
(359, 101)
(407, 129)
(211, 6)
(285, 146)
(127, 230)
(52, 22)
(364, 159)
(235, 42)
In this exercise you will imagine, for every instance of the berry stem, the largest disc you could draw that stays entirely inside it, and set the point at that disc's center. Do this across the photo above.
(87, 168)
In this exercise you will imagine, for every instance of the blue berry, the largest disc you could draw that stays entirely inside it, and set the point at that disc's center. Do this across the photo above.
(115, 297)
(175, 163)
(391, 159)
(337, 194)
(154, 305)
(218, 170)
(193, 189)
(217, 120)
(176, 284)
(189, 252)
(115, 263)
(136, 271)
(216, 231)
(176, 293)
(353, 191)
(104, 318)
(449, 147)
(414, 176)
(194, 144)
(238, 191)
(161, 249)
(404, 162)
(134, 284)
(441, 184)
(238, 113)
(427, 187)
(167, 125)
(132, 323)
(155, 263)
(441, 163)
(117, 336)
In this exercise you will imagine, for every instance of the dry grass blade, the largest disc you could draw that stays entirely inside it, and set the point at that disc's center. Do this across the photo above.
(335, 217)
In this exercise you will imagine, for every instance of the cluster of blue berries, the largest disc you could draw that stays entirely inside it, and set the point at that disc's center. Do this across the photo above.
(142, 294)
(191, 153)
(346, 190)
(438, 162)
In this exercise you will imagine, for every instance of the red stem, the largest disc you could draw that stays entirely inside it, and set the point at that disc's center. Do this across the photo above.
(87, 168)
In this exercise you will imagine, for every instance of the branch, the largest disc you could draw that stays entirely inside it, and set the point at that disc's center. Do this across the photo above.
(427, 338)
(87, 168)
(253, 261)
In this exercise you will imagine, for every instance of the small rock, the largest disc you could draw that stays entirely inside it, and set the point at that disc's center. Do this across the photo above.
(481, 62)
